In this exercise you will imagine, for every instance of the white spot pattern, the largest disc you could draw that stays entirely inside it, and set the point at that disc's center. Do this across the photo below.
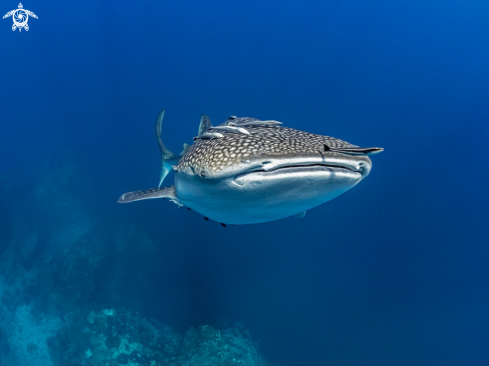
(263, 142)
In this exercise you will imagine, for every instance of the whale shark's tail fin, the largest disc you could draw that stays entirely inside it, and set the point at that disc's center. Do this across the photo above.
(168, 159)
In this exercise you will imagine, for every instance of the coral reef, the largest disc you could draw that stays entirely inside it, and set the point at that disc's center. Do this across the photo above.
(120, 337)
(59, 260)
(123, 337)
(29, 337)
(207, 346)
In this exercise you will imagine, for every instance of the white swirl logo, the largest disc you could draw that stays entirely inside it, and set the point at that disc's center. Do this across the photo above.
(20, 17)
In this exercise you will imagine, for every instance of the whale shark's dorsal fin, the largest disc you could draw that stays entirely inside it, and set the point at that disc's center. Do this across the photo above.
(167, 192)
(205, 124)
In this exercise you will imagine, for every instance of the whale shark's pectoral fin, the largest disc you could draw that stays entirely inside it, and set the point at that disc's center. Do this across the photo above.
(167, 192)
(300, 215)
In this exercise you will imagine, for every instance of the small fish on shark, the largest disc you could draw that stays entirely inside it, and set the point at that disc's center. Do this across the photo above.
(248, 171)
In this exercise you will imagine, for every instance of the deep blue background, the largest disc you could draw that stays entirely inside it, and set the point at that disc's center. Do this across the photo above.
(394, 272)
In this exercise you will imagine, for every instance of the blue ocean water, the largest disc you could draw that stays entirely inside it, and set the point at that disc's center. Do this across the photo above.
(393, 272)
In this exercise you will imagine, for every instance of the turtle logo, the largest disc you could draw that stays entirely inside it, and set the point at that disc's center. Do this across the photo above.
(20, 17)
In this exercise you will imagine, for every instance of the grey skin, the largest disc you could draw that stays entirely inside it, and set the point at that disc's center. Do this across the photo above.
(269, 174)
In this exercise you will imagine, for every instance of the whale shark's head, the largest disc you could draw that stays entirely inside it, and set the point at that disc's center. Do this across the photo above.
(270, 173)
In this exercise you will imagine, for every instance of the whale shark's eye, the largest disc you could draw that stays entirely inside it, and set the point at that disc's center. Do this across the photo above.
(202, 174)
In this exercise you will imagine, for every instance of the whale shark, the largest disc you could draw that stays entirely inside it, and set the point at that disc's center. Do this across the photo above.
(247, 171)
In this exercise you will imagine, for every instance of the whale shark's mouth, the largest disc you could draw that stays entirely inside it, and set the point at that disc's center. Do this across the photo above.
(266, 167)
(305, 166)
(318, 171)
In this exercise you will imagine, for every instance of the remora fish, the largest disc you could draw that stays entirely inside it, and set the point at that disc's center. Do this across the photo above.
(266, 174)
